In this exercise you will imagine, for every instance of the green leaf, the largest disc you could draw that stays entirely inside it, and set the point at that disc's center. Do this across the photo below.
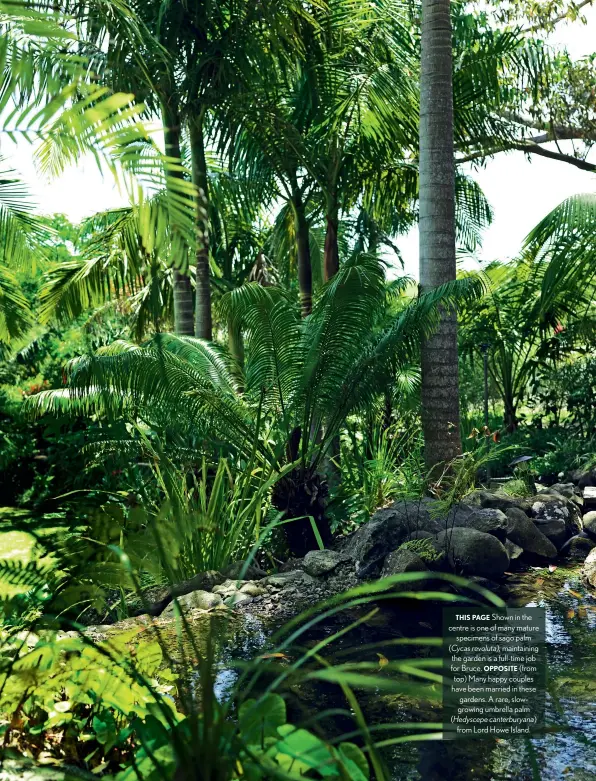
(261, 719)
(355, 757)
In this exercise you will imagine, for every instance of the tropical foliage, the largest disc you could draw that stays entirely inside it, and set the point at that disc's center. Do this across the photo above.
(231, 371)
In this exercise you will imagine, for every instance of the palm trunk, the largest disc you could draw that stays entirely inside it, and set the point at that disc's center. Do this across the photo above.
(182, 287)
(303, 251)
(440, 381)
(203, 321)
(331, 252)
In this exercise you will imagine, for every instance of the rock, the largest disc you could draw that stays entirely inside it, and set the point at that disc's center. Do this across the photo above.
(249, 572)
(252, 589)
(513, 550)
(386, 530)
(155, 599)
(555, 530)
(564, 489)
(585, 479)
(554, 507)
(295, 577)
(589, 523)
(577, 548)
(321, 562)
(496, 501)
(236, 598)
(487, 520)
(420, 535)
(471, 552)
(201, 600)
(400, 561)
(589, 569)
(229, 586)
(524, 533)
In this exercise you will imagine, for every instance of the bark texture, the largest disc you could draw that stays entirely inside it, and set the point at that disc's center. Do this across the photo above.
(203, 318)
(440, 382)
(331, 252)
(182, 287)
(303, 252)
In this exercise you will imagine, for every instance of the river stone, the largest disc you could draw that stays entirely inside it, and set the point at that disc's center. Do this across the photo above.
(286, 579)
(524, 533)
(236, 598)
(589, 568)
(201, 600)
(496, 501)
(513, 550)
(471, 552)
(321, 562)
(555, 530)
(402, 560)
(584, 479)
(589, 523)
(252, 589)
(578, 547)
(564, 489)
(487, 520)
(229, 586)
(387, 529)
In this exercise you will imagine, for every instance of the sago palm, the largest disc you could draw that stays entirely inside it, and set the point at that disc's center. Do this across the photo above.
(301, 378)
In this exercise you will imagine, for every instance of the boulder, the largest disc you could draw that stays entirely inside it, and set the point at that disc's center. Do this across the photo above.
(471, 552)
(578, 547)
(321, 562)
(387, 529)
(589, 569)
(252, 589)
(201, 600)
(286, 579)
(586, 479)
(513, 550)
(564, 489)
(554, 507)
(589, 523)
(236, 598)
(555, 529)
(496, 501)
(420, 535)
(400, 561)
(524, 533)
(485, 519)
(228, 586)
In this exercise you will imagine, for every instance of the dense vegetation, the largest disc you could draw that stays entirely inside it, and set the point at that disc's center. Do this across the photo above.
(230, 370)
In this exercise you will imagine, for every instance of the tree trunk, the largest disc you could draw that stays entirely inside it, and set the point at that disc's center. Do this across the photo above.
(303, 251)
(331, 253)
(510, 417)
(182, 287)
(440, 381)
(203, 321)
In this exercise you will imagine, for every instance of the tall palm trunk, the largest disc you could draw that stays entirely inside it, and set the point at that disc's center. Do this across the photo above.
(203, 320)
(182, 287)
(440, 381)
(303, 251)
(331, 251)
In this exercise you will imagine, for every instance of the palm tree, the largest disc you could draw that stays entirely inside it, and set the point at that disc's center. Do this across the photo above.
(56, 102)
(440, 383)
(301, 378)
(538, 307)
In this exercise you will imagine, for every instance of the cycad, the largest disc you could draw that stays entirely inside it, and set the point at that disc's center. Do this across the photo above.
(287, 403)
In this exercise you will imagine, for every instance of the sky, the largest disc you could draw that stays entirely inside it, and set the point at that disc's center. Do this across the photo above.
(520, 192)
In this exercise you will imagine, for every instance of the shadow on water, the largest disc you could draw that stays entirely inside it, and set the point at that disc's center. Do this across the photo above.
(566, 750)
